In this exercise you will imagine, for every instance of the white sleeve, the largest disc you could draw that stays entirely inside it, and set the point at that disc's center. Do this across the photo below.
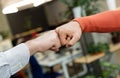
(13, 60)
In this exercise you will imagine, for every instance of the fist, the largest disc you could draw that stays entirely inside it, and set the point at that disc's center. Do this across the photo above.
(69, 33)
(46, 41)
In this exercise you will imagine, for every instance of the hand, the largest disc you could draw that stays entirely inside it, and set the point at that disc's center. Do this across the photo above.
(69, 33)
(47, 41)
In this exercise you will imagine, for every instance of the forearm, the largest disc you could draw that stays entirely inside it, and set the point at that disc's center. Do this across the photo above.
(13, 60)
(108, 21)
(16, 58)
(32, 45)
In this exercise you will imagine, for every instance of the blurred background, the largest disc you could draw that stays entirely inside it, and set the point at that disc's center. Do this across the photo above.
(95, 55)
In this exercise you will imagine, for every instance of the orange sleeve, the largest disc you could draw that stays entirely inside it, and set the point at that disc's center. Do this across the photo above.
(108, 21)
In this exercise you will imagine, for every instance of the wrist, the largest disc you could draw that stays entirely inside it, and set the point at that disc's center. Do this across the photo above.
(32, 46)
(77, 23)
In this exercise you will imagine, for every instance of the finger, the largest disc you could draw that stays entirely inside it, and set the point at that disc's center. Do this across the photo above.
(62, 36)
(56, 44)
(74, 39)
(54, 49)
(68, 40)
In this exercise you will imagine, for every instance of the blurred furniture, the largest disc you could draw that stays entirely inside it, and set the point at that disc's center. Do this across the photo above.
(5, 44)
(37, 70)
(114, 47)
(89, 58)
(63, 60)
(118, 76)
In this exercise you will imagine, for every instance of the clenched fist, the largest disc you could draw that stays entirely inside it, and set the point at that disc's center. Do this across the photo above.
(69, 33)
(47, 41)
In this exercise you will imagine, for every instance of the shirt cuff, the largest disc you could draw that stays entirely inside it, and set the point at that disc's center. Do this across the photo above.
(17, 57)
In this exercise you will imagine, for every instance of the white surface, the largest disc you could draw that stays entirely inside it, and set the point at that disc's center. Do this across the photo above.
(49, 63)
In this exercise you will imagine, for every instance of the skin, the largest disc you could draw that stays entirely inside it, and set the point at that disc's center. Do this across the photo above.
(65, 35)
(49, 40)
(69, 33)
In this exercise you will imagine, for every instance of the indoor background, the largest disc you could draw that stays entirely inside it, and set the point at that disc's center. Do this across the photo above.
(78, 61)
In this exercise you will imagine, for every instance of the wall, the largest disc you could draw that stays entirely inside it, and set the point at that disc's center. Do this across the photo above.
(28, 19)
(3, 23)
(55, 13)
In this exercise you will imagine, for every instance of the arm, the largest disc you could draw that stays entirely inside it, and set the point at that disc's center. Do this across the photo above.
(13, 60)
(16, 58)
(70, 33)
(108, 21)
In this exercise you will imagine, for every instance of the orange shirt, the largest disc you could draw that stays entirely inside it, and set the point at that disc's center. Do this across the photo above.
(108, 21)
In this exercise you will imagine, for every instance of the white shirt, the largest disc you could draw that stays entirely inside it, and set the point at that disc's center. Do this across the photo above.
(13, 60)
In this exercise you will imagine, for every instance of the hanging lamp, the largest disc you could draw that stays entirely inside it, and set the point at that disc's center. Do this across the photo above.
(13, 6)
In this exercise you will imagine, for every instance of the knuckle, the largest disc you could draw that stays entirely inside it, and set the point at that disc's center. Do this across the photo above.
(57, 29)
(61, 29)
